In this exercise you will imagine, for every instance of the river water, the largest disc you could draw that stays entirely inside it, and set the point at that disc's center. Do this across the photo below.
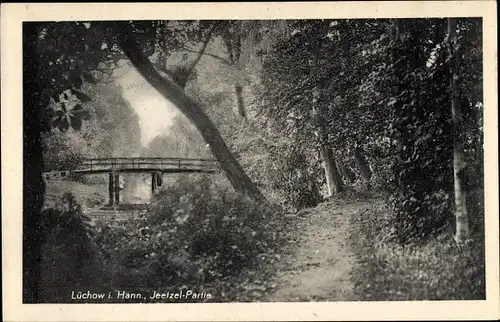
(134, 197)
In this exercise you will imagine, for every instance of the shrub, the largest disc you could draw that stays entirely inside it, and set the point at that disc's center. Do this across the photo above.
(69, 258)
(92, 179)
(382, 174)
(295, 178)
(62, 151)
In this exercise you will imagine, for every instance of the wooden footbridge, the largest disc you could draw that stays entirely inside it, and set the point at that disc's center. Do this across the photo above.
(156, 166)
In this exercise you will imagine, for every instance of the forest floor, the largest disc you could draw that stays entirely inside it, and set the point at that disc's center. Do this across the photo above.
(319, 265)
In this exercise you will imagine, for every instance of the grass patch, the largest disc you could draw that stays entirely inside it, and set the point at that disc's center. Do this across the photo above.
(436, 270)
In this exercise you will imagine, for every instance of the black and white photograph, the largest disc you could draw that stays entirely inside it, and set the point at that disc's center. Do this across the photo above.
(221, 159)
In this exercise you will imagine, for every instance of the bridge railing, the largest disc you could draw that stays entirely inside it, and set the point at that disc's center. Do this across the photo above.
(138, 163)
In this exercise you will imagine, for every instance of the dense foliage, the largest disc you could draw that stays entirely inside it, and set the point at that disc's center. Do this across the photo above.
(356, 84)
(69, 256)
(111, 131)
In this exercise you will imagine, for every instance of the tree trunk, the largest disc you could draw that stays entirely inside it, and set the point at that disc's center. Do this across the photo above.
(333, 179)
(461, 218)
(33, 183)
(238, 88)
(239, 101)
(363, 167)
(235, 173)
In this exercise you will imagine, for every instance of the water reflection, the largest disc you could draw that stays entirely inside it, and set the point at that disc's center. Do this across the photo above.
(136, 188)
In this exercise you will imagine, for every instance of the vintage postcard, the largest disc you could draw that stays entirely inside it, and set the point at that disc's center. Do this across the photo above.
(250, 161)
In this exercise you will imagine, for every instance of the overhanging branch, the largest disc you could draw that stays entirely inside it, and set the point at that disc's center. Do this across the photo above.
(202, 50)
(225, 61)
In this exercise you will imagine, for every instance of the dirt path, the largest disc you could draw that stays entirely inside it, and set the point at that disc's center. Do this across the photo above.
(319, 268)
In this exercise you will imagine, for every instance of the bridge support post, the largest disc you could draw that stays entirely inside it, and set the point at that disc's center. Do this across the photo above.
(153, 183)
(117, 188)
(159, 178)
(111, 188)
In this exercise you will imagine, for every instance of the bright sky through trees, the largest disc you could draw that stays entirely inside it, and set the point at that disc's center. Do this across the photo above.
(155, 113)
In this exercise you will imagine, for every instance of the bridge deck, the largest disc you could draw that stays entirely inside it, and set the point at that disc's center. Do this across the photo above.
(170, 165)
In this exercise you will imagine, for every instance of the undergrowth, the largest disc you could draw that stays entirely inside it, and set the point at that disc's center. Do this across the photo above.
(435, 270)
(198, 236)
(70, 260)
